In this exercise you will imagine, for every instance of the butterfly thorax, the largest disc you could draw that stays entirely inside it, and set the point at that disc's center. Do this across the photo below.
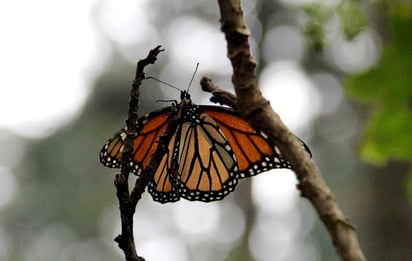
(187, 110)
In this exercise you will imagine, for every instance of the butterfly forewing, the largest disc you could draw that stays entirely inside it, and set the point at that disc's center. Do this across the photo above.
(145, 143)
(253, 151)
(149, 128)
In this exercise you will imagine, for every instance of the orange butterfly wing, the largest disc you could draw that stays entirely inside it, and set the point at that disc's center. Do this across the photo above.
(253, 150)
(149, 129)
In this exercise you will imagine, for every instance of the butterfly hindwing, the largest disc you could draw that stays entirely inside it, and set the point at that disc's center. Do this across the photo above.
(203, 165)
(111, 153)
(160, 186)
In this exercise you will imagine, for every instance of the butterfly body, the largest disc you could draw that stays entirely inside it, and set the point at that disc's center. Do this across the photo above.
(211, 148)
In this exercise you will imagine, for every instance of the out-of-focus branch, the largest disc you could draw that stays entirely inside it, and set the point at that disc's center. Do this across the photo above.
(254, 107)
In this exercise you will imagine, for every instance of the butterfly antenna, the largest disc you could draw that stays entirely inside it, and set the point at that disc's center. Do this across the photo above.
(165, 100)
(193, 76)
(165, 83)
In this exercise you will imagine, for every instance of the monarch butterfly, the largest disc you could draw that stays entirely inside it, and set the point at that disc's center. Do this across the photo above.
(211, 149)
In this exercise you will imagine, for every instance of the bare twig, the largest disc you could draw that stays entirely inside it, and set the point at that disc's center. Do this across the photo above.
(127, 203)
(219, 96)
(258, 111)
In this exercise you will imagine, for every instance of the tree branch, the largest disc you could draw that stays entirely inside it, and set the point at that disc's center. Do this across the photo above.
(219, 96)
(254, 107)
(127, 203)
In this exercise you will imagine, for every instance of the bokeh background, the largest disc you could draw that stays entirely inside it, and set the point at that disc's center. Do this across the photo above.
(337, 72)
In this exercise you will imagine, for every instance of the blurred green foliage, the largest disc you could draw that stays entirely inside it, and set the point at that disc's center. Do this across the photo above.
(387, 89)
(318, 14)
(353, 20)
(351, 17)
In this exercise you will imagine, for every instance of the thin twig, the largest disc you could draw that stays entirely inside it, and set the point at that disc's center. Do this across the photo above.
(127, 204)
(258, 111)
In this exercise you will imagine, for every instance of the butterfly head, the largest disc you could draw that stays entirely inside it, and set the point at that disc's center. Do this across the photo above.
(185, 100)
(184, 95)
